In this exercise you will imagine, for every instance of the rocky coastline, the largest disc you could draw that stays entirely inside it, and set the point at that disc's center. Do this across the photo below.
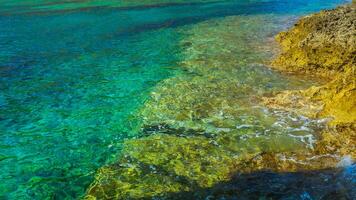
(324, 45)
(185, 157)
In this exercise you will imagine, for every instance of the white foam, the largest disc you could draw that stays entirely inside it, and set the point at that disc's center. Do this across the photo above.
(345, 161)
(322, 156)
(307, 139)
(244, 126)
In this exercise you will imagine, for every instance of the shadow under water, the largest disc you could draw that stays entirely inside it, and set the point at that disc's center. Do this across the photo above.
(329, 184)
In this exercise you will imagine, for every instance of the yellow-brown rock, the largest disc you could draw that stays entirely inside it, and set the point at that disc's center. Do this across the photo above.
(323, 44)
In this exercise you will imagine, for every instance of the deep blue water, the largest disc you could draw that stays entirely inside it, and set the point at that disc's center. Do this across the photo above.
(70, 83)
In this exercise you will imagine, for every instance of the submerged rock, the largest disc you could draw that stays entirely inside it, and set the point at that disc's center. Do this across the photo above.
(206, 126)
(161, 164)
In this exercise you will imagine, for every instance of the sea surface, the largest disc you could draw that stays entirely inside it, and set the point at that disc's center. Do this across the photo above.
(77, 78)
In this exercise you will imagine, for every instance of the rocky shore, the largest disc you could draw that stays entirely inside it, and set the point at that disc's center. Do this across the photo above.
(324, 45)
(191, 141)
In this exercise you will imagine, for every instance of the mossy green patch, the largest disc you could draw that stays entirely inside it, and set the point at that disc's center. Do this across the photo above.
(161, 164)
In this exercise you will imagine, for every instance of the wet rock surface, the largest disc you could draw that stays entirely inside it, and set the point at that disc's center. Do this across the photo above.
(323, 44)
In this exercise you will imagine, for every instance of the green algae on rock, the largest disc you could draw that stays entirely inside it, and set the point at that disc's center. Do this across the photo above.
(161, 164)
(217, 89)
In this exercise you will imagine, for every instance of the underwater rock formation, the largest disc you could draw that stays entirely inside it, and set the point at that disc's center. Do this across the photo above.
(202, 126)
(323, 44)
(206, 125)
(164, 164)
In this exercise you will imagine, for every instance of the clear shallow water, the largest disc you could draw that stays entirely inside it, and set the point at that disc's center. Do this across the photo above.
(71, 83)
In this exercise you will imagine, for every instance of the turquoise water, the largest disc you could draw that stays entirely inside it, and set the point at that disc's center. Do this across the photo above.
(72, 80)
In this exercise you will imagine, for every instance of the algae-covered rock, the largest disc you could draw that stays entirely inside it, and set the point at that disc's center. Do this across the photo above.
(323, 44)
(338, 140)
(338, 96)
(160, 164)
(217, 89)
